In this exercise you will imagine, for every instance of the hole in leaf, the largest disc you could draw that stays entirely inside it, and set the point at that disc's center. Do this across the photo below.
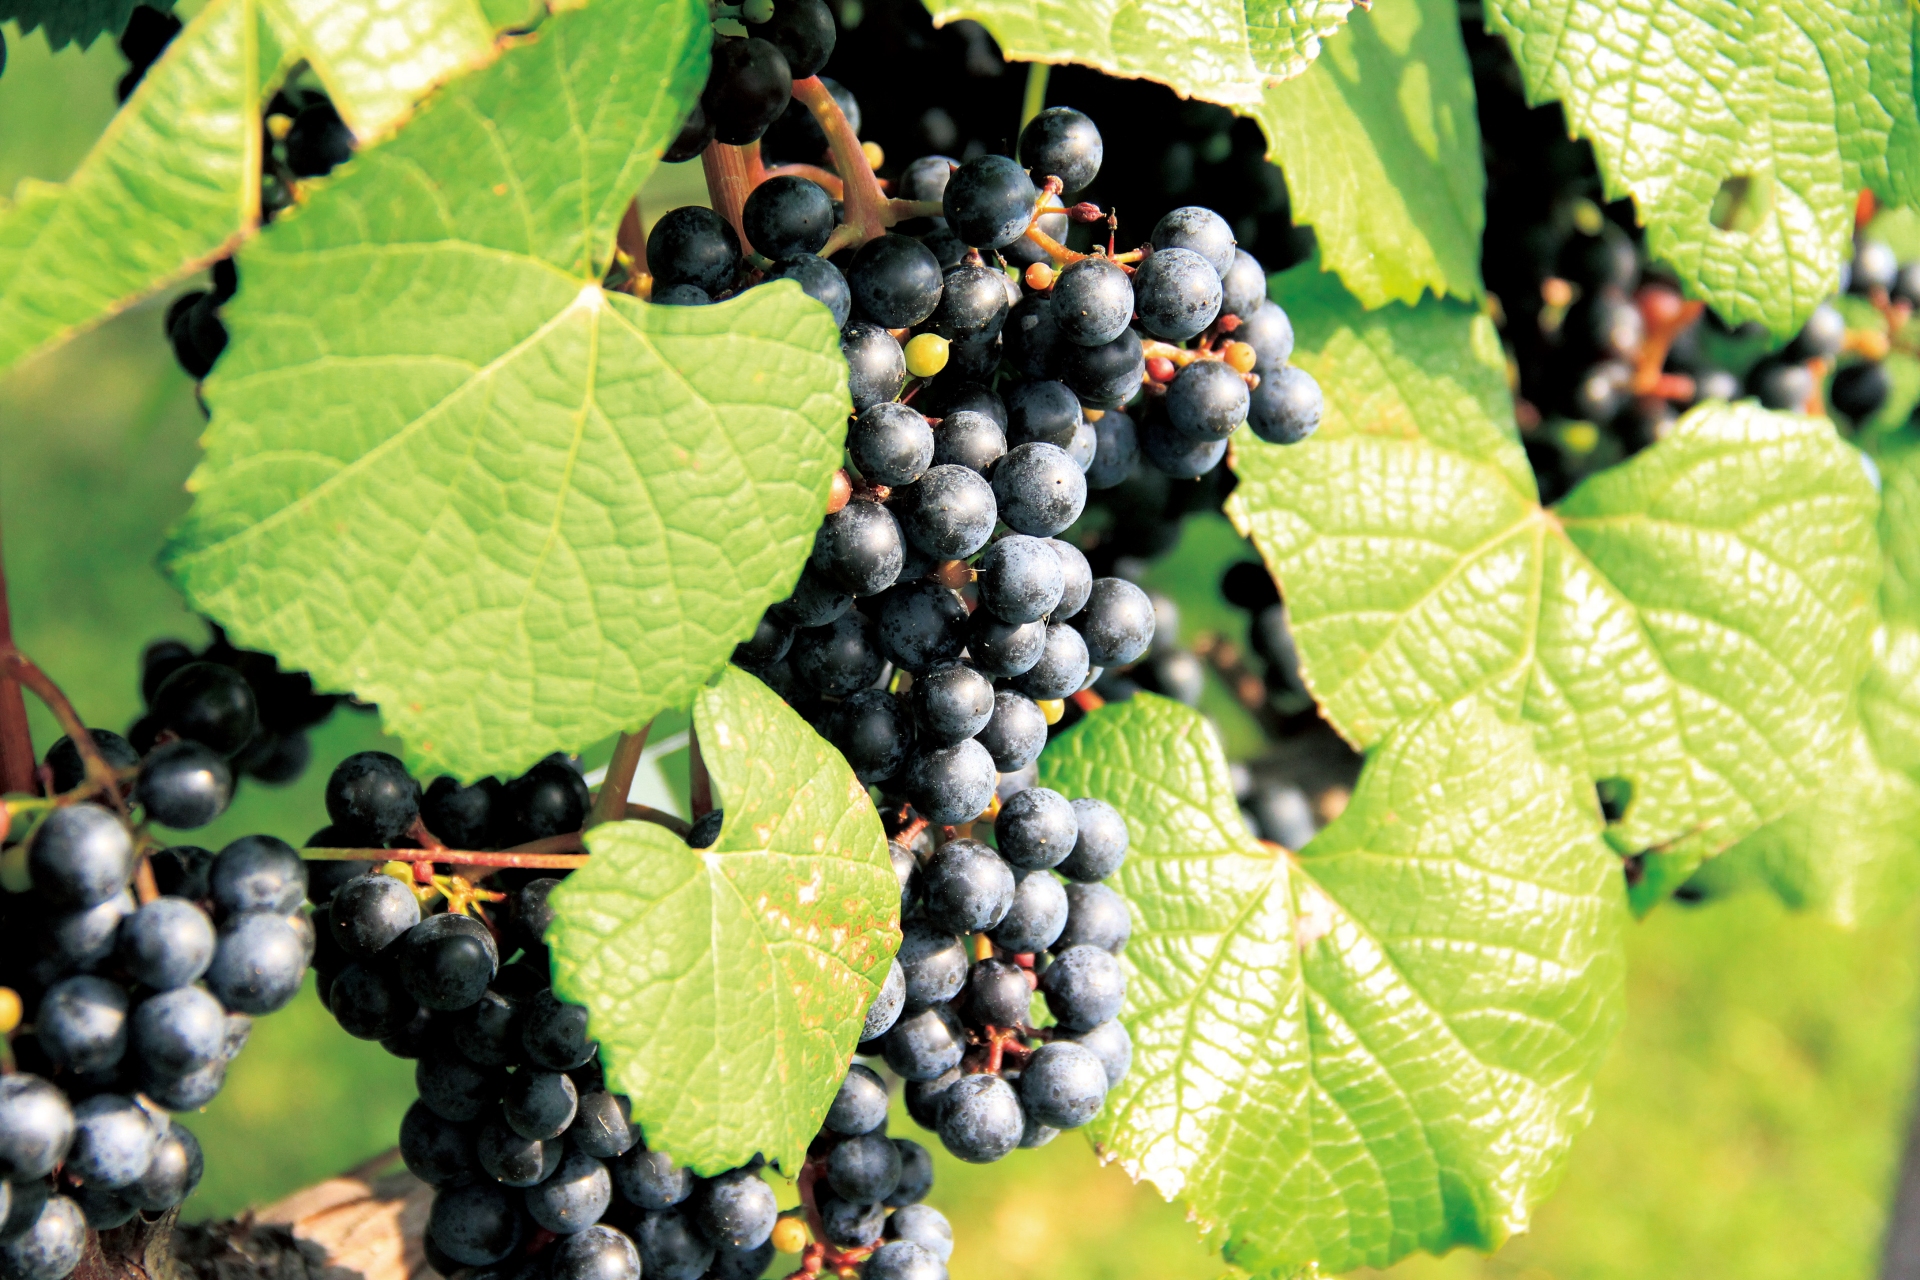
(1742, 202)
(1614, 794)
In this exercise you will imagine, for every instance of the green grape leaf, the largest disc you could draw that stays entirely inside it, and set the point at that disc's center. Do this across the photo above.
(728, 986)
(1742, 132)
(1381, 149)
(68, 22)
(175, 180)
(1693, 622)
(1890, 695)
(450, 472)
(1224, 51)
(1382, 1044)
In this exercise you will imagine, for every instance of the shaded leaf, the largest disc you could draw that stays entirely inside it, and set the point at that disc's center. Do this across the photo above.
(728, 986)
(1383, 1045)
(67, 22)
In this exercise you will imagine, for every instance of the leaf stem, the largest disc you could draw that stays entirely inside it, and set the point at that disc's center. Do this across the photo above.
(701, 799)
(867, 212)
(17, 756)
(1035, 100)
(611, 801)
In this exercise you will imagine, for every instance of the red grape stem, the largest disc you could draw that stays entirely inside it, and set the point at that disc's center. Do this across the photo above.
(17, 758)
(826, 179)
(553, 852)
(611, 801)
(732, 172)
(869, 213)
(700, 799)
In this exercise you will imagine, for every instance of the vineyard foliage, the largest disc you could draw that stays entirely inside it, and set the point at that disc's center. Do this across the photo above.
(450, 470)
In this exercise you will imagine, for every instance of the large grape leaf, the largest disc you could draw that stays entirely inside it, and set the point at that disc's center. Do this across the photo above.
(1381, 149)
(1381, 1044)
(1693, 622)
(1890, 697)
(1224, 51)
(728, 986)
(69, 21)
(449, 471)
(175, 180)
(1742, 131)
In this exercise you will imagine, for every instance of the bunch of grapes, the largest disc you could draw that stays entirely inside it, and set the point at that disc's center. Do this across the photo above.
(131, 973)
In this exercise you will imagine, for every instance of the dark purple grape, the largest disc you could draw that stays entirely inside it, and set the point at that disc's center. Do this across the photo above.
(370, 912)
(82, 1024)
(891, 444)
(1117, 623)
(1207, 400)
(167, 943)
(933, 965)
(317, 142)
(670, 1247)
(1003, 649)
(371, 794)
(1084, 987)
(1017, 731)
(973, 303)
(1101, 845)
(513, 1160)
(926, 178)
(816, 601)
(1038, 489)
(1079, 579)
(949, 513)
(257, 873)
(1104, 377)
(1038, 914)
(461, 816)
(1096, 917)
(207, 703)
(921, 625)
(80, 856)
(1062, 143)
(786, 216)
(861, 1104)
(1063, 1085)
(859, 546)
(369, 1003)
(746, 91)
(821, 281)
(1036, 829)
(1243, 288)
(1286, 407)
(1021, 578)
(259, 961)
(989, 201)
(69, 770)
(1176, 454)
(970, 439)
(885, 1009)
(172, 1173)
(184, 785)
(951, 702)
(579, 1192)
(693, 245)
(476, 1223)
(1269, 332)
(998, 993)
(926, 1045)
(1092, 302)
(695, 133)
(913, 1222)
(446, 961)
(873, 731)
(1116, 450)
(895, 281)
(767, 645)
(849, 1225)
(734, 1210)
(968, 887)
(804, 33)
(864, 1169)
(876, 366)
(680, 295)
(650, 1180)
(839, 658)
(1177, 293)
(549, 799)
(1859, 390)
(1031, 335)
(1048, 412)
(1200, 230)
(113, 1141)
(951, 785)
(981, 1120)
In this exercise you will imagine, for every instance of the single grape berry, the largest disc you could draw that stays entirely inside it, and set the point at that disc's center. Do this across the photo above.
(786, 216)
(1021, 578)
(874, 733)
(804, 32)
(1285, 408)
(1004, 649)
(1062, 669)
(1063, 1085)
(257, 873)
(513, 1160)
(650, 1180)
(767, 645)
(950, 703)
(446, 961)
(259, 961)
(82, 1024)
(1822, 337)
(1243, 288)
(603, 1125)
(886, 1007)
(998, 994)
(371, 794)
(921, 625)
(549, 799)
(982, 1119)
(207, 703)
(859, 546)
(973, 303)
(1177, 292)
(1116, 449)
(369, 1003)
(933, 964)
(895, 281)
(816, 601)
(1117, 623)
(1200, 230)
(577, 1194)
(1096, 917)
(1860, 389)
(69, 770)
(951, 785)
(1101, 845)
(172, 1174)
(476, 1223)
(849, 1225)
(555, 1034)
(1104, 377)
(177, 1032)
(693, 245)
(735, 1210)
(1036, 829)
(49, 1243)
(1092, 302)
(1038, 489)
(36, 1127)
(317, 141)
(926, 177)
(861, 1104)
(876, 367)
(370, 912)
(167, 943)
(1036, 918)
(598, 1253)
(920, 1224)
(927, 1044)
(1176, 454)
(1031, 335)
(989, 201)
(184, 785)
(695, 133)
(819, 280)
(970, 439)
(1269, 332)
(463, 817)
(113, 1141)
(670, 1248)
(1042, 411)
(80, 856)
(747, 89)
(950, 512)
(1016, 733)
(968, 887)
(1207, 400)
(864, 1169)
(839, 658)
(1084, 987)
(891, 444)
(1062, 143)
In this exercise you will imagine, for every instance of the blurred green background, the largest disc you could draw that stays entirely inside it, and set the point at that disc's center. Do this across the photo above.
(1748, 1122)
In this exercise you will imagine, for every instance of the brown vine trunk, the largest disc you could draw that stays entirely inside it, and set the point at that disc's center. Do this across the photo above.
(348, 1228)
